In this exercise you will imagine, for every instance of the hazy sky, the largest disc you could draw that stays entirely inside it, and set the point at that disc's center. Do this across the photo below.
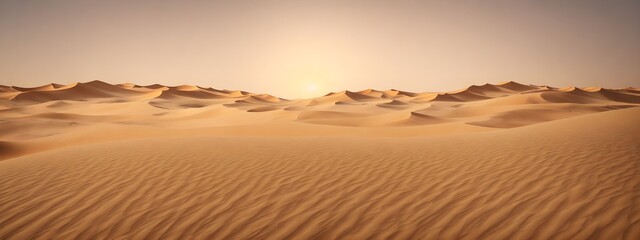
(285, 47)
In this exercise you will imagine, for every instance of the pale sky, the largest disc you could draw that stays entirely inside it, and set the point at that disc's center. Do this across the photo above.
(308, 48)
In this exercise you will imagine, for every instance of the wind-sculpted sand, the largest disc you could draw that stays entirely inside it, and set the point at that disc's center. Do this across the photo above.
(508, 161)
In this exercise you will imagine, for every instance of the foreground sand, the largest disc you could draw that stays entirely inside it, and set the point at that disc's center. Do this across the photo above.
(511, 161)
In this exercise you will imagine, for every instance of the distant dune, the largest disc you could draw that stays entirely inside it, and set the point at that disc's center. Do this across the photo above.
(497, 161)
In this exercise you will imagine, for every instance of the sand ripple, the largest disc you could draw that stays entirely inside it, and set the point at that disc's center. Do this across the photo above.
(547, 186)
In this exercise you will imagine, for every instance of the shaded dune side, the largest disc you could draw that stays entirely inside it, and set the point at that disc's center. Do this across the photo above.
(346, 97)
(126, 85)
(395, 104)
(153, 86)
(8, 92)
(420, 119)
(486, 91)
(371, 93)
(555, 182)
(517, 87)
(332, 98)
(577, 95)
(390, 93)
(77, 91)
(196, 92)
(46, 87)
(173, 93)
(464, 96)
(126, 91)
(619, 96)
(523, 117)
(4, 88)
(227, 93)
(9, 150)
(265, 98)
(259, 103)
(357, 96)
(631, 90)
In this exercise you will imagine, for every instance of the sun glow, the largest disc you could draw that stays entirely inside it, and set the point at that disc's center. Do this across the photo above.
(312, 87)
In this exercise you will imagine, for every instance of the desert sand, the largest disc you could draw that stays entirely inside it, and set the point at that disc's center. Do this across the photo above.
(499, 161)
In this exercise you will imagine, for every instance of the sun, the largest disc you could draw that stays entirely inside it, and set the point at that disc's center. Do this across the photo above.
(312, 87)
(309, 84)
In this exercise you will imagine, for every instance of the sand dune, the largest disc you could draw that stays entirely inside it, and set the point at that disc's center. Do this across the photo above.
(46, 87)
(396, 104)
(178, 92)
(518, 87)
(76, 91)
(496, 161)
